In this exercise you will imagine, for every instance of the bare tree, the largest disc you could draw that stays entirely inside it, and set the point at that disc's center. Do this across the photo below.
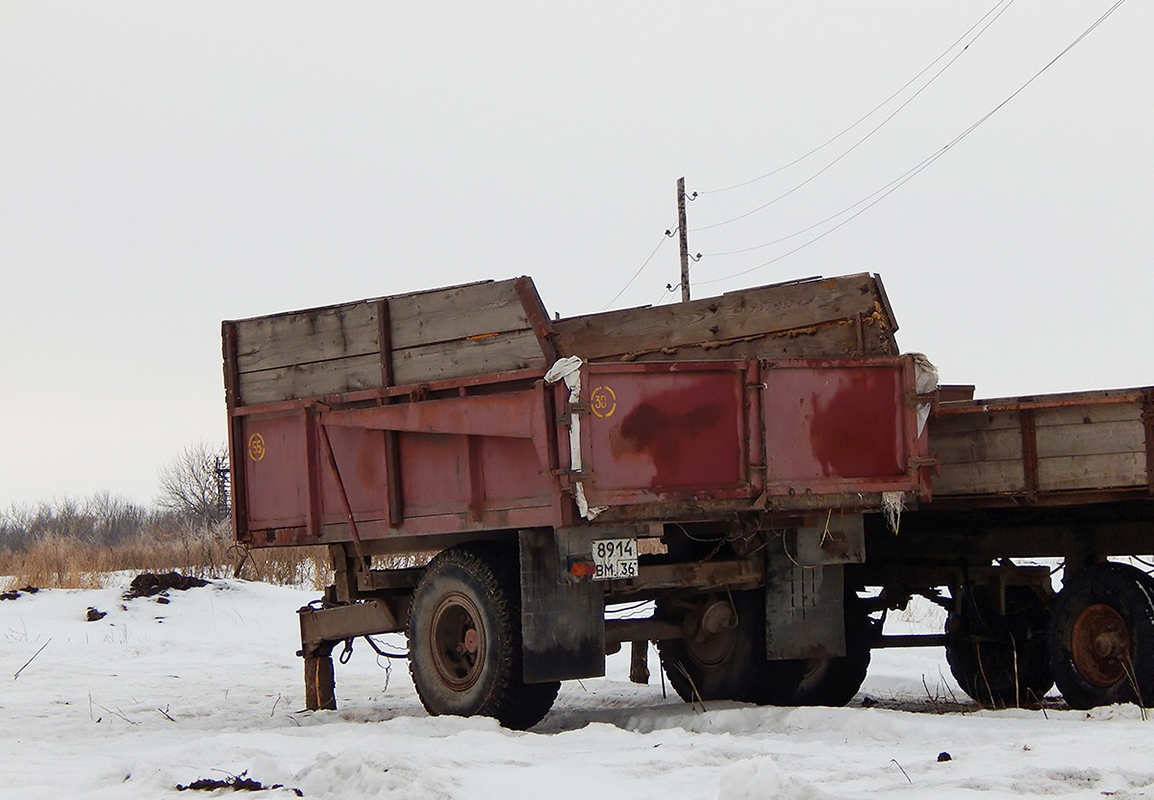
(192, 485)
(103, 519)
(114, 518)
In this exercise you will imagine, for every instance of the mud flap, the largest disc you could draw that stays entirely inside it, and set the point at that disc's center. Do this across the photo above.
(804, 610)
(562, 618)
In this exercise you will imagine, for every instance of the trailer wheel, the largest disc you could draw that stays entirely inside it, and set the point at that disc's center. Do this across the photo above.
(465, 639)
(1000, 661)
(835, 681)
(722, 656)
(1102, 637)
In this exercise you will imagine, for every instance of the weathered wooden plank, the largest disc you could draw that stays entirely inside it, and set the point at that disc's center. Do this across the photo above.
(322, 350)
(977, 445)
(310, 380)
(737, 315)
(963, 424)
(304, 337)
(457, 359)
(1110, 471)
(1089, 414)
(981, 477)
(815, 342)
(962, 392)
(1079, 447)
(1099, 438)
(456, 313)
(1096, 397)
(730, 317)
(322, 334)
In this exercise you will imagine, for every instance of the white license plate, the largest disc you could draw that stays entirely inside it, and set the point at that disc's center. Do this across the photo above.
(616, 559)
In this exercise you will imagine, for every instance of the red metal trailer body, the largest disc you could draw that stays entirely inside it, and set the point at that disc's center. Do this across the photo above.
(499, 453)
(716, 457)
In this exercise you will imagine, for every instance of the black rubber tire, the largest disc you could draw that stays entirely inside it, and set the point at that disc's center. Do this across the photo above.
(1000, 661)
(1104, 603)
(730, 665)
(835, 681)
(464, 634)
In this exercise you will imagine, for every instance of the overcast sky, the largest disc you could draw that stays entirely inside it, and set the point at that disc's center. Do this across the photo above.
(164, 166)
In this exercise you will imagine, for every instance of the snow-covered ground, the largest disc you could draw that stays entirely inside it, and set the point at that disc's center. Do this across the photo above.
(208, 686)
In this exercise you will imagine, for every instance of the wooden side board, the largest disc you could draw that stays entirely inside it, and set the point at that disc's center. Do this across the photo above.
(500, 326)
(311, 380)
(460, 358)
(1094, 442)
(830, 317)
(455, 332)
(305, 337)
(455, 313)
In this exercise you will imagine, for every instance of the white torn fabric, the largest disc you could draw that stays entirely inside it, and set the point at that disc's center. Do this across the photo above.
(562, 368)
(569, 370)
(587, 511)
(925, 382)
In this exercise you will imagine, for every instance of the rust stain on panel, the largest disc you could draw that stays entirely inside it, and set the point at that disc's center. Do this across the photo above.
(854, 432)
(672, 430)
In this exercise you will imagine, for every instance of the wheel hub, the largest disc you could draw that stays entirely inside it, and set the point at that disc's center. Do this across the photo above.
(458, 642)
(718, 617)
(714, 636)
(1100, 645)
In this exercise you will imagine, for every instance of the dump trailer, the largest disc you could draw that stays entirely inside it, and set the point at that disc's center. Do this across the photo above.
(490, 480)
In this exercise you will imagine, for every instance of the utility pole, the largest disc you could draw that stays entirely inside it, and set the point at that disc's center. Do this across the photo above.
(684, 240)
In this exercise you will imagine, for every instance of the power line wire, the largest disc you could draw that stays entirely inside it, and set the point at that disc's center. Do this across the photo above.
(897, 183)
(666, 292)
(795, 234)
(862, 119)
(644, 264)
(881, 124)
(891, 187)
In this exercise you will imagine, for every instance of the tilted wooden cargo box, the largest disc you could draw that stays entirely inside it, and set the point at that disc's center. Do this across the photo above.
(502, 326)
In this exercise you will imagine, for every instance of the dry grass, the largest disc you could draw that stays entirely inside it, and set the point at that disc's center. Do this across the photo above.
(67, 562)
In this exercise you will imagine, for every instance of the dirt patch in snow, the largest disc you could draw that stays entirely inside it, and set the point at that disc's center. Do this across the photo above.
(238, 783)
(149, 584)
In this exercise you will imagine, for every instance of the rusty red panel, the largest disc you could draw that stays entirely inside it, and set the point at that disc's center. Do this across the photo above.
(664, 429)
(650, 433)
(274, 454)
(360, 457)
(514, 414)
(838, 425)
(434, 474)
(461, 462)
(514, 475)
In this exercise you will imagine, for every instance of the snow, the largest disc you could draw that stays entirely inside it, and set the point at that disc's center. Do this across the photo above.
(208, 686)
